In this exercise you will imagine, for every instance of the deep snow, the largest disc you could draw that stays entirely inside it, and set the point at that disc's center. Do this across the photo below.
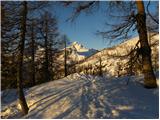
(85, 96)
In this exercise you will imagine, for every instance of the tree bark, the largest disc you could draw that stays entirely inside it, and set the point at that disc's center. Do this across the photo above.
(22, 99)
(149, 77)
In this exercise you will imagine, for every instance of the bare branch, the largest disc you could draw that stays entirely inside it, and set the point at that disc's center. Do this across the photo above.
(156, 21)
(80, 8)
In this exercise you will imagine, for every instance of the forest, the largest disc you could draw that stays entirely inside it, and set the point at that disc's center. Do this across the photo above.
(47, 75)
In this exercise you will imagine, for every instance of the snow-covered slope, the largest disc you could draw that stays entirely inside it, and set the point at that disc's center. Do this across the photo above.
(111, 56)
(81, 96)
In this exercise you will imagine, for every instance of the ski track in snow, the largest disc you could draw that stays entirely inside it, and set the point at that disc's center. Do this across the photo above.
(82, 96)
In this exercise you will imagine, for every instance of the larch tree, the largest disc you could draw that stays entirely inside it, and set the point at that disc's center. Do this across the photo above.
(20, 76)
(47, 74)
(32, 44)
(49, 32)
(33, 41)
(100, 66)
(65, 55)
(9, 43)
(149, 77)
(44, 32)
(65, 58)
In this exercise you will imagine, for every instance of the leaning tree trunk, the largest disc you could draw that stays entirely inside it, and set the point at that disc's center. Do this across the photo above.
(149, 77)
(22, 99)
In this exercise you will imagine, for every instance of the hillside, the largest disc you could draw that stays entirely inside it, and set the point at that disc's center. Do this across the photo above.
(83, 96)
(113, 58)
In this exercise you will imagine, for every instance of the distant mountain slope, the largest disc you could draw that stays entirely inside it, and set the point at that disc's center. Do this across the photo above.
(111, 56)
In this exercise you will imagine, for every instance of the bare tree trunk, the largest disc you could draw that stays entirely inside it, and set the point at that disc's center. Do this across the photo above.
(65, 57)
(33, 52)
(51, 62)
(100, 67)
(47, 75)
(2, 13)
(149, 77)
(22, 99)
(131, 64)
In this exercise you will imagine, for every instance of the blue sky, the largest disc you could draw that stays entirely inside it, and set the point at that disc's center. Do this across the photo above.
(83, 29)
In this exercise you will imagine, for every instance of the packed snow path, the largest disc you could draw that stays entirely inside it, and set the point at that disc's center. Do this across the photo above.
(81, 96)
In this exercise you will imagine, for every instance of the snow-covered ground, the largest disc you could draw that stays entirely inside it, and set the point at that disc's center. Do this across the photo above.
(85, 96)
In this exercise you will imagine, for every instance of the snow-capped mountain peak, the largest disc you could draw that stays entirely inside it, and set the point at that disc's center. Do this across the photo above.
(79, 52)
(75, 43)
(78, 47)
